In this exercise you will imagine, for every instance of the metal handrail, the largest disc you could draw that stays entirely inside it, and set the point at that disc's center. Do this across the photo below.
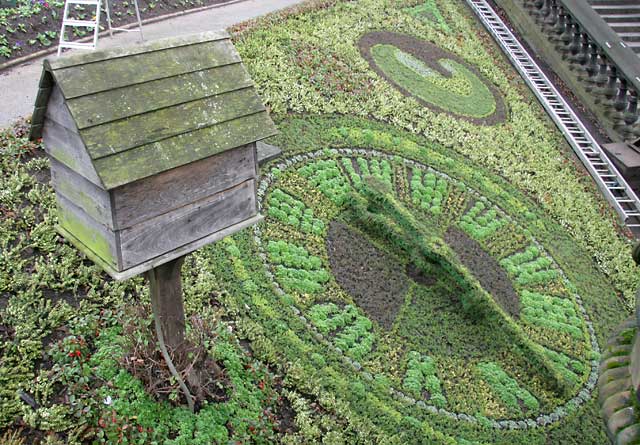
(606, 176)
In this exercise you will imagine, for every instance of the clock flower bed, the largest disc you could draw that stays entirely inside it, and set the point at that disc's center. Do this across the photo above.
(427, 271)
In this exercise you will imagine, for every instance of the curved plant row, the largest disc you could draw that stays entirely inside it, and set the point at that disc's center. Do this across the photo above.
(592, 364)
(308, 61)
(302, 136)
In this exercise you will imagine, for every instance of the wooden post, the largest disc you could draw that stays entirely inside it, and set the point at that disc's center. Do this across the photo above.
(165, 287)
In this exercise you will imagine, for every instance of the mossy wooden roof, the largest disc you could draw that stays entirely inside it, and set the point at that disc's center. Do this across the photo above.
(145, 109)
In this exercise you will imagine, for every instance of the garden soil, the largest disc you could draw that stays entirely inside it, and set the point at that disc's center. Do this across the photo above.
(485, 268)
(374, 279)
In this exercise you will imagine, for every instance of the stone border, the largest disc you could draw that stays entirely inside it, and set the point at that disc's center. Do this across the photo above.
(426, 51)
(542, 420)
(53, 49)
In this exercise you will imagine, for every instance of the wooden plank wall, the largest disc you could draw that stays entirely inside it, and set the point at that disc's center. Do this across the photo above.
(95, 201)
(188, 223)
(62, 141)
(100, 240)
(147, 198)
(140, 221)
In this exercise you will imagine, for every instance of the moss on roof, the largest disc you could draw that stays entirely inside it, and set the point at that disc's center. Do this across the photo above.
(148, 108)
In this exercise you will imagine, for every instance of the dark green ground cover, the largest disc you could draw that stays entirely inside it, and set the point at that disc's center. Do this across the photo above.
(304, 360)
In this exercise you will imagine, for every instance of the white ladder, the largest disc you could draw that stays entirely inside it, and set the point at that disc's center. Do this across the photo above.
(95, 24)
(611, 183)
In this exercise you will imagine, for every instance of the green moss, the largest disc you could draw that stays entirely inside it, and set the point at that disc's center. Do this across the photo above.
(292, 211)
(480, 222)
(351, 331)
(572, 369)
(552, 313)
(91, 238)
(507, 388)
(421, 376)
(65, 158)
(296, 270)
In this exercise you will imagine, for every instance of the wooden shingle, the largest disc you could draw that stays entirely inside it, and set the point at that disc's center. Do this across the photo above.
(132, 107)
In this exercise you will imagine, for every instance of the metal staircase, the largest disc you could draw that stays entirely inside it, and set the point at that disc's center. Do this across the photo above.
(614, 187)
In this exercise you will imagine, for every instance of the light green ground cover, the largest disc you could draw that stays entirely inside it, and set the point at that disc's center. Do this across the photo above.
(444, 372)
(463, 93)
(429, 11)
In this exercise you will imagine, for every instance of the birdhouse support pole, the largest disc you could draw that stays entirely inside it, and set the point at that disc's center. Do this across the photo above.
(165, 285)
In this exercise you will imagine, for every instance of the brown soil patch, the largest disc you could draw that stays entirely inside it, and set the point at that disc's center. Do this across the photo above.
(485, 268)
(373, 278)
(428, 53)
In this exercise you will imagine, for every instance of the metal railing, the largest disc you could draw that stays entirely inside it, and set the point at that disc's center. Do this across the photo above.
(614, 187)
(608, 69)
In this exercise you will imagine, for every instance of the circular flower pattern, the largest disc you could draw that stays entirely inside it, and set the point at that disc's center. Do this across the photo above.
(474, 311)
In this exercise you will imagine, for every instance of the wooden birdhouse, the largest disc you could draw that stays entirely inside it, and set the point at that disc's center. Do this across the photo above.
(152, 147)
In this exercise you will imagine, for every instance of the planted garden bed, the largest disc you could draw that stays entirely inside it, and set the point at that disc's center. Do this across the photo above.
(28, 26)
(419, 276)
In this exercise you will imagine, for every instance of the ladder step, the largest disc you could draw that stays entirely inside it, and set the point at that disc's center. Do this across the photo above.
(127, 30)
(83, 2)
(85, 23)
(77, 45)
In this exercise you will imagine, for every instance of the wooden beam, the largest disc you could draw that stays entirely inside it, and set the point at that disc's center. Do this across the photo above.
(165, 286)
(147, 198)
(106, 140)
(156, 45)
(148, 160)
(144, 67)
(120, 103)
(267, 152)
(196, 220)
